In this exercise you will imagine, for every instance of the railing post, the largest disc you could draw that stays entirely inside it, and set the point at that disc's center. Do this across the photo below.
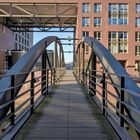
(83, 61)
(43, 72)
(47, 81)
(93, 71)
(79, 63)
(86, 78)
(54, 76)
(13, 100)
(32, 92)
(51, 77)
(89, 83)
(122, 108)
(104, 93)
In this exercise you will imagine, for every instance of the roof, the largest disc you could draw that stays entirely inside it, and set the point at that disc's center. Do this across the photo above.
(39, 15)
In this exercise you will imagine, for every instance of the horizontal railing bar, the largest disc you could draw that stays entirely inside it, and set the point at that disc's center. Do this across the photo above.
(21, 105)
(131, 123)
(131, 107)
(5, 118)
(111, 94)
(22, 94)
(112, 105)
(37, 85)
(23, 73)
(6, 104)
(37, 92)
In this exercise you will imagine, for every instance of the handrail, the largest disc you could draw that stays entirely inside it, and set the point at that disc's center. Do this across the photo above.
(126, 88)
(23, 65)
(24, 104)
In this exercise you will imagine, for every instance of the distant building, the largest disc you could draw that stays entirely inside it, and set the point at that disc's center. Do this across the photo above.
(10, 41)
(23, 40)
(115, 23)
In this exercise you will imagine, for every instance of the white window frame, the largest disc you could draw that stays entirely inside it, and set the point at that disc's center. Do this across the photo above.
(86, 33)
(137, 50)
(137, 21)
(85, 8)
(98, 8)
(97, 35)
(119, 42)
(86, 21)
(137, 8)
(98, 24)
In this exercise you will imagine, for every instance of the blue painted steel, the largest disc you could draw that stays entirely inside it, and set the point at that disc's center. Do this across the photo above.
(24, 64)
(111, 65)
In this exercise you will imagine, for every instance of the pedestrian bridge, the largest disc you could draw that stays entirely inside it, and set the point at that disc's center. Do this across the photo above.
(54, 103)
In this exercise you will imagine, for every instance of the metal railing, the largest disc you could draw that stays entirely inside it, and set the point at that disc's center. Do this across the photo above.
(113, 89)
(22, 89)
(32, 92)
(114, 108)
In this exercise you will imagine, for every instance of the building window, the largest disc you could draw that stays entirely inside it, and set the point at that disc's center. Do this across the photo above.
(19, 47)
(27, 36)
(16, 36)
(85, 7)
(137, 50)
(19, 38)
(118, 14)
(137, 66)
(137, 36)
(85, 21)
(97, 35)
(137, 7)
(118, 42)
(16, 46)
(138, 22)
(27, 43)
(97, 21)
(22, 40)
(85, 33)
(97, 8)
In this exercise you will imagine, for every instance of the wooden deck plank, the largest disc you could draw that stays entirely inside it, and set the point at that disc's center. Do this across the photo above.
(69, 116)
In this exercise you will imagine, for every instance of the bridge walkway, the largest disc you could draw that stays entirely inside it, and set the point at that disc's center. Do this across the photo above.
(68, 114)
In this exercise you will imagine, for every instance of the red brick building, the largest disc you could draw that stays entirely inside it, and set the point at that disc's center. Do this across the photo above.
(115, 23)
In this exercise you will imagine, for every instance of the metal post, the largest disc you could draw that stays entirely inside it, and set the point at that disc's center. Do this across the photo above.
(55, 55)
(86, 78)
(12, 118)
(43, 72)
(51, 77)
(83, 62)
(32, 92)
(104, 93)
(60, 57)
(74, 35)
(121, 103)
(89, 88)
(93, 73)
(54, 76)
(47, 81)
(79, 62)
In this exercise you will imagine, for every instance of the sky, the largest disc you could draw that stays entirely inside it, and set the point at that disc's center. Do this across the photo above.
(37, 36)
